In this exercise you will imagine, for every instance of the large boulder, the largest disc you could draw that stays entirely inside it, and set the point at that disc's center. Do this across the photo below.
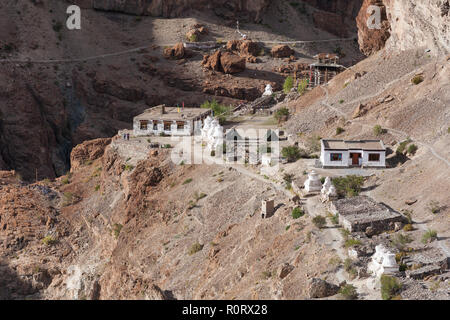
(226, 62)
(88, 151)
(282, 51)
(176, 52)
(232, 63)
(319, 288)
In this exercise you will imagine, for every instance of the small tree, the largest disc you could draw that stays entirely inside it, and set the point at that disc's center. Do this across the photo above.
(292, 153)
(297, 213)
(282, 114)
(348, 292)
(348, 186)
(412, 149)
(378, 130)
(302, 86)
(288, 84)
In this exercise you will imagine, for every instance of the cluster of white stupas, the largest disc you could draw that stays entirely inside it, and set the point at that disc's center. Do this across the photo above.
(328, 191)
(383, 262)
(313, 184)
(212, 133)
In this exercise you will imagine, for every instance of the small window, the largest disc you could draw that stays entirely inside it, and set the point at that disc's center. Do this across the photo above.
(167, 126)
(336, 157)
(180, 125)
(144, 124)
(375, 157)
(155, 125)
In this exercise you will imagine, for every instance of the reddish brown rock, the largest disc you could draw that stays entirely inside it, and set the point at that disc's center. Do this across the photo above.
(372, 40)
(88, 151)
(176, 52)
(232, 63)
(212, 61)
(282, 51)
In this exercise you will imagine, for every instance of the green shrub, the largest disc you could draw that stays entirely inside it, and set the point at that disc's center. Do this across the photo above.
(65, 180)
(200, 196)
(220, 111)
(408, 227)
(348, 292)
(117, 227)
(341, 101)
(390, 287)
(292, 153)
(429, 236)
(434, 206)
(97, 187)
(334, 218)
(282, 114)
(348, 186)
(128, 167)
(196, 247)
(412, 149)
(302, 86)
(351, 242)
(339, 130)
(67, 199)
(417, 79)
(187, 181)
(378, 130)
(49, 240)
(319, 221)
(297, 213)
(193, 38)
(288, 84)
(400, 240)
(349, 268)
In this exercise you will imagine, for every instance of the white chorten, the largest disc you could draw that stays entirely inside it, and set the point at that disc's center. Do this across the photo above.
(383, 262)
(268, 91)
(326, 186)
(206, 127)
(313, 184)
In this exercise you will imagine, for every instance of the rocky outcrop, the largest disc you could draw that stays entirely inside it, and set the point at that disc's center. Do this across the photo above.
(224, 62)
(319, 288)
(282, 51)
(88, 151)
(174, 8)
(372, 40)
(176, 52)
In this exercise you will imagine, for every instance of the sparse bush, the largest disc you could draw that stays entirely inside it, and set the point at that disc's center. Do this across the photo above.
(97, 187)
(334, 219)
(189, 180)
(196, 247)
(49, 240)
(348, 186)
(349, 268)
(282, 114)
(408, 227)
(297, 213)
(434, 206)
(348, 292)
(400, 240)
(412, 149)
(266, 274)
(128, 167)
(288, 84)
(193, 38)
(339, 130)
(65, 180)
(429, 236)
(341, 101)
(67, 199)
(417, 79)
(319, 221)
(351, 242)
(390, 287)
(200, 196)
(117, 227)
(378, 130)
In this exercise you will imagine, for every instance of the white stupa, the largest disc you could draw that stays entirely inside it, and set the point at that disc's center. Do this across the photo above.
(268, 91)
(326, 186)
(383, 262)
(313, 184)
(206, 127)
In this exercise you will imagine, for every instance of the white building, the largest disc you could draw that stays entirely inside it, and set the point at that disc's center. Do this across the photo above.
(170, 121)
(345, 154)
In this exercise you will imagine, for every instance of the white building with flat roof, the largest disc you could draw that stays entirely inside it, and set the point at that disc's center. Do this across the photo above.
(358, 153)
(172, 121)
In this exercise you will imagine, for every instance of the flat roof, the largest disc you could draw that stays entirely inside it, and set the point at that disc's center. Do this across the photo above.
(373, 145)
(363, 209)
(171, 113)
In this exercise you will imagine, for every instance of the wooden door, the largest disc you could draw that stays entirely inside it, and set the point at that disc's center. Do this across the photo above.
(355, 159)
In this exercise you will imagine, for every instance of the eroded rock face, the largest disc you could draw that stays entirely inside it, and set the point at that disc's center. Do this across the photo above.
(88, 151)
(372, 40)
(174, 8)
